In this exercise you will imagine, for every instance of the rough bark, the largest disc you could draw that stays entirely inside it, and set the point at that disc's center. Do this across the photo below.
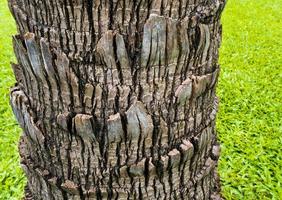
(116, 98)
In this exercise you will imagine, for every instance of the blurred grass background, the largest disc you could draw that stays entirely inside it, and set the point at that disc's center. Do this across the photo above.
(250, 119)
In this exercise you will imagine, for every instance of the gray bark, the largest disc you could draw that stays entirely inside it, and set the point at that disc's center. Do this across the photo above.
(116, 98)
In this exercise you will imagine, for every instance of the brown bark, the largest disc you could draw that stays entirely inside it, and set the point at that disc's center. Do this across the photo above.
(117, 99)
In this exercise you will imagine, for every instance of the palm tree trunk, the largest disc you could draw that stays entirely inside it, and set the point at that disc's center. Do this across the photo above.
(116, 98)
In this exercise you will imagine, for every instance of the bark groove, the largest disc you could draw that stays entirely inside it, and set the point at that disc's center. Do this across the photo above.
(116, 98)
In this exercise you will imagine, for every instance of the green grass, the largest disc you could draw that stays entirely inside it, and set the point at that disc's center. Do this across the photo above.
(12, 179)
(249, 122)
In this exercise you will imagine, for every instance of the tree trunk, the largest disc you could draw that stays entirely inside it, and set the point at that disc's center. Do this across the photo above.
(116, 98)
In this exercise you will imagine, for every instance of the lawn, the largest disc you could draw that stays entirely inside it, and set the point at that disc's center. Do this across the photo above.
(250, 119)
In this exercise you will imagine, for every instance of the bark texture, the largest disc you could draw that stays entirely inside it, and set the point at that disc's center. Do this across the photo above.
(116, 98)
